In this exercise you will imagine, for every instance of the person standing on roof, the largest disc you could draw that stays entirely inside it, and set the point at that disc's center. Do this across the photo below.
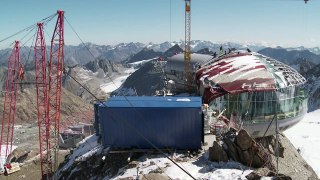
(221, 50)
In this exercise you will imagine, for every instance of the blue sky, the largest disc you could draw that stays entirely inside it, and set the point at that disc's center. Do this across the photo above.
(277, 22)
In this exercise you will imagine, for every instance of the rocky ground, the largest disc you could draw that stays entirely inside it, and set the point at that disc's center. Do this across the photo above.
(30, 169)
(292, 164)
(152, 165)
(261, 154)
(26, 136)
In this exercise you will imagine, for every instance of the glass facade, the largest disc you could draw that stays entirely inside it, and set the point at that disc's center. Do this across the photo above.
(264, 105)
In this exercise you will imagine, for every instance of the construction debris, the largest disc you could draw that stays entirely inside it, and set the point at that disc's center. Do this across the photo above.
(11, 168)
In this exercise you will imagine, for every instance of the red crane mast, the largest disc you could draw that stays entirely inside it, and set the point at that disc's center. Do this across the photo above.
(42, 103)
(56, 65)
(9, 105)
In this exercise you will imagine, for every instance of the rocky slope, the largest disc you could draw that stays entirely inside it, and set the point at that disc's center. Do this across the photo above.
(144, 54)
(27, 106)
(26, 100)
(313, 87)
(143, 82)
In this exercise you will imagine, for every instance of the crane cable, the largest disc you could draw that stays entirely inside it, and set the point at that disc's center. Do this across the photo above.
(170, 22)
(49, 18)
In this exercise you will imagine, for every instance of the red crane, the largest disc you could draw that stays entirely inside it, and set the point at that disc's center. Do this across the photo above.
(56, 66)
(42, 102)
(9, 105)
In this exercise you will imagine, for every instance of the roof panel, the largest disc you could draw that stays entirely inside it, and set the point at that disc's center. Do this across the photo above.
(153, 101)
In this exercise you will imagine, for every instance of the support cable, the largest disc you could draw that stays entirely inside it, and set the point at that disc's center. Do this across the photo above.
(170, 21)
(30, 48)
(47, 19)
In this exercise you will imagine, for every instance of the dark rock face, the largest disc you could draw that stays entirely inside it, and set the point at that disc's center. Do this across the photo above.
(265, 172)
(232, 150)
(269, 143)
(176, 49)
(145, 81)
(105, 65)
(143, 55)
(244, 149)
(243, 140)
(262, 172)
(18, 155)
(217, 153)
(205, 51)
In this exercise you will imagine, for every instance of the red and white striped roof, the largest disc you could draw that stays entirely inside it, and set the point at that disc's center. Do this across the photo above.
(241, 71)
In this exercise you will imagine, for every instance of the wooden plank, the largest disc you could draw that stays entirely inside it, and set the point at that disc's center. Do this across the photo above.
(14, 168)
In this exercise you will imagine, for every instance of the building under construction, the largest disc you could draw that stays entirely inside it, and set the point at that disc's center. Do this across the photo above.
(247, 88)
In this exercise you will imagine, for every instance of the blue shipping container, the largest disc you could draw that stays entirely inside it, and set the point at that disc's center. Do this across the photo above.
(149, 122)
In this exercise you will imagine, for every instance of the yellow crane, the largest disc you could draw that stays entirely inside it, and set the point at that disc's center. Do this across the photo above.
(187, 47)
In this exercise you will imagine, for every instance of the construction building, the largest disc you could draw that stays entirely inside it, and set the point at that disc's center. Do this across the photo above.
(247, 88)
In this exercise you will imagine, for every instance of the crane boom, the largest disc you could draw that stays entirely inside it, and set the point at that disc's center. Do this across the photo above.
(187, 47)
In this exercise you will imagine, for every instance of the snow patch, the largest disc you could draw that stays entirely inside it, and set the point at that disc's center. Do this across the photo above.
(305, 136)
(114, 84)
(85, 75)
(140, 63)
(184, 99)
(3, 155)
(87, 147)
(200, 168)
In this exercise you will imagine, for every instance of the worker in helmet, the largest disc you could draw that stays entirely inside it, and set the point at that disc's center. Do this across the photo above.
(21, 72)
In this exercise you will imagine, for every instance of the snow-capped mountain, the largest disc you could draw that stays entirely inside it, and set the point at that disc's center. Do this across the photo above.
(290, 57)
(123, 51)
(313, 87)
(315, 50)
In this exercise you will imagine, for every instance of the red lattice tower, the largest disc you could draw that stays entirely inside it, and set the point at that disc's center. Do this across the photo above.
(55, 81)
(9, 105)
(42, 103)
